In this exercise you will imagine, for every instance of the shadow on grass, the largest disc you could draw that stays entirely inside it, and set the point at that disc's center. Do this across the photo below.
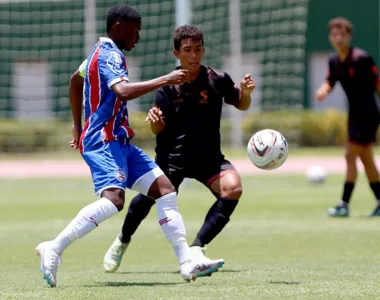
(177, 272)
(284, 282)
(128, 284)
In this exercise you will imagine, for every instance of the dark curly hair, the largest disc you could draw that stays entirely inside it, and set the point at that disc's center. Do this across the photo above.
(185, 32)
(121, 12)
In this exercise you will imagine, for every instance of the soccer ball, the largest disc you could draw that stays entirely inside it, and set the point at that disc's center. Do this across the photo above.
(316, 175)
(267, 149)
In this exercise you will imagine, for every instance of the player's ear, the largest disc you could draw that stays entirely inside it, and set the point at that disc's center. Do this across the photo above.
(176, 53)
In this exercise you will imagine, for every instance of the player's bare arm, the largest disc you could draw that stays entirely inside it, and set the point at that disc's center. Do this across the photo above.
(247, 85)
(128, 91)
(323, 91)
(157, 124)
(76, 98)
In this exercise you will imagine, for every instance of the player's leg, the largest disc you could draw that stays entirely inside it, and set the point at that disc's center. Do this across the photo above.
(147, 178)
(107, 165)
(353, 150)
(138, 210)
(225, 184)
(368, 160)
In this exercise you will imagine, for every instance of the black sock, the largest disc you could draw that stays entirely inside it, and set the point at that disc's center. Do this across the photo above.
(347, 191)
(216, 219)
(375, 186)
(138, 210)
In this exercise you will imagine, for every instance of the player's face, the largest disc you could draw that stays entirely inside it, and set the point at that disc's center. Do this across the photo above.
(190, 54)
(128, 34)
(339, 38)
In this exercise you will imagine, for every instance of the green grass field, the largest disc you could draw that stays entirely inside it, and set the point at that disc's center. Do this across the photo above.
(278, 245)
(229, 152)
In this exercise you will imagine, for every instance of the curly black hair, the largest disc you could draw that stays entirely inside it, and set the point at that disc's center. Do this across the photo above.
(185, 32)
(121, 12)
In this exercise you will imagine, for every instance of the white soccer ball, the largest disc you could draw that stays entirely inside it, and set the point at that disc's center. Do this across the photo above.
(267, 149)
(316, 174)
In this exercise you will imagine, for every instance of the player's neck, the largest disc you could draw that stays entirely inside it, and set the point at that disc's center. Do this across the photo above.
(194, 75)
(343, 53)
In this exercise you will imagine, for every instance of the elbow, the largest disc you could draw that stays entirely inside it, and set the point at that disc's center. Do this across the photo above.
(243, 107)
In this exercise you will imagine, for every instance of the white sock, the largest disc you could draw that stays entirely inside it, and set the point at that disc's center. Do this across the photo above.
(172, 225)
(86, 220)
(342, 203)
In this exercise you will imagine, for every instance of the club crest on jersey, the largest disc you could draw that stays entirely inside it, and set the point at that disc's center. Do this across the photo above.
(115, 61)
(203, 97)
(121, 175)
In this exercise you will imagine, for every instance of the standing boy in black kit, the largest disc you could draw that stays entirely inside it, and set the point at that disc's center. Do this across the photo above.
(358, 75)
(186, 120)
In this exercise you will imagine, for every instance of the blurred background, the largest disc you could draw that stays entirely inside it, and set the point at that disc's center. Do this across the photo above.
(282, 43)
(279, 244)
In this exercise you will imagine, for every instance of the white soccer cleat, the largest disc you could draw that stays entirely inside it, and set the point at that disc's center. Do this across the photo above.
(199, 268)
(50, 260)
(199, 254)
(114, 255)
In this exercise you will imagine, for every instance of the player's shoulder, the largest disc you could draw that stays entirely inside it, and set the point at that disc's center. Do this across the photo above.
(214, 73)
(333, 57)
(359, 54)
(108, 49)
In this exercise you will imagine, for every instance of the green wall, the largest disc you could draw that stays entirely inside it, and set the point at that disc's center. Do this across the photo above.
(363, 14)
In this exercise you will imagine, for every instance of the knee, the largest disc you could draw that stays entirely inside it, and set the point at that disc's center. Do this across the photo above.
(232, 191)
(116, 196)
(350, 158)
(161, 187)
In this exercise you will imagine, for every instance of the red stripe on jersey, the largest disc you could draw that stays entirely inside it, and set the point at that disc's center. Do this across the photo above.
(110, 126)
(94, 80)
(84, 132)
(125, 125)
(94, 95)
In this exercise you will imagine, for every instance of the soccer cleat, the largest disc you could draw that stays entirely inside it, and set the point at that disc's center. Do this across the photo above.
(199, 268)
(50, 260)
(376, 212)
(114, 255)
(199, 254)
(338, 211)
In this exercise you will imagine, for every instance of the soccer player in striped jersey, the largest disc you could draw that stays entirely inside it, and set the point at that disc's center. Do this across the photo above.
(104, 144)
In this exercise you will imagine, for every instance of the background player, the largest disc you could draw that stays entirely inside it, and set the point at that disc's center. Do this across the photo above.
(186, 120)
(104, 144)
(358, 75)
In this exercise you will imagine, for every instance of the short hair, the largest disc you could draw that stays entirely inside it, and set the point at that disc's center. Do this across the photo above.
(185, 32)
(341, 22)
(121, 12)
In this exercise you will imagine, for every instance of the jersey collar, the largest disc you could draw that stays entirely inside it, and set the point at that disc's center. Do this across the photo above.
(107, 40)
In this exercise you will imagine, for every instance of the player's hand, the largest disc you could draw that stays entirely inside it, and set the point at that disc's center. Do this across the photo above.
(77, 130)
(247, 85)
(154, 114)
(177, 77)
(321, 94)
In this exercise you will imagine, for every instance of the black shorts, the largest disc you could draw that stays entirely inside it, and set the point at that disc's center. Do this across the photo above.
(205, 173)
(362, 133)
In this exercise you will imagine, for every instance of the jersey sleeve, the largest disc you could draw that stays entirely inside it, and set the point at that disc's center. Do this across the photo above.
(162, 101)
(82, 68)
(331, 77)
(112, 67)
(230, 90)
(372, 68)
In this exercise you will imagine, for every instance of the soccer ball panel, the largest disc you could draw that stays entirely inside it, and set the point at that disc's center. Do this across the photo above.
(267, 149)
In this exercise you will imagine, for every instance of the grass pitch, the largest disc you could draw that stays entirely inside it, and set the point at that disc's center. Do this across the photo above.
(278, 245)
